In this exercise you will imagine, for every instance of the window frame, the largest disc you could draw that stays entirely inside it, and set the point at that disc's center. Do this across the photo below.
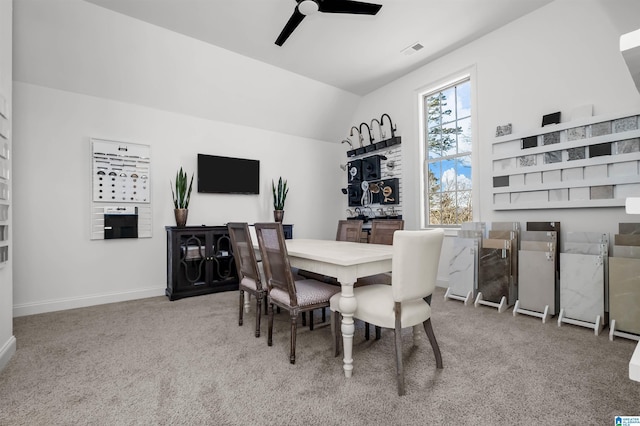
(427, 90)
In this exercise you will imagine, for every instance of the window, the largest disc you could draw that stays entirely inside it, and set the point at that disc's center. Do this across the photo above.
(448, 146)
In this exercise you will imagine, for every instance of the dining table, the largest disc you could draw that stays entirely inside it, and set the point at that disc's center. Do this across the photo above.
(345, 261)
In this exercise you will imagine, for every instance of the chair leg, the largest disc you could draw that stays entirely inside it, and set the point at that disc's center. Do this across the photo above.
(337, 335)
(266, 306)
(366, 331)
(311, 320)
(399, 366)
(434, 343)
(241, 307)
(398, 340)
(378, 332)
(304, 319)
(258, 314)
(270, 328)
(294, 324)
(324, 315)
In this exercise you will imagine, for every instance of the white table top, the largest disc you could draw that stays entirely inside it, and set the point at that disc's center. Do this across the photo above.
(341, 253)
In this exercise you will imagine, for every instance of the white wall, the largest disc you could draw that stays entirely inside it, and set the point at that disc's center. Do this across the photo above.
(561, 56)
(79, 47)
(82, 72)
(7, 341)
(58, 267)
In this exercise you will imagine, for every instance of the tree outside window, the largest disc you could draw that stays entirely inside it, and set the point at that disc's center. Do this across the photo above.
(448, 137)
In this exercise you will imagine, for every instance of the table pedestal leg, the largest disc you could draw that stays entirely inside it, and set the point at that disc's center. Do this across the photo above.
(347, 307)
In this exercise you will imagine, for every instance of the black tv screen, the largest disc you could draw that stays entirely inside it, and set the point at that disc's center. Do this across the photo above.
(226, 175)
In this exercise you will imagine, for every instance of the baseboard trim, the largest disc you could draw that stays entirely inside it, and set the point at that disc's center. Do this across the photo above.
(84, 301)
(7, 352)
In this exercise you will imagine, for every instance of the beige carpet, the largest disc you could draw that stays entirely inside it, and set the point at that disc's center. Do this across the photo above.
(187, 362)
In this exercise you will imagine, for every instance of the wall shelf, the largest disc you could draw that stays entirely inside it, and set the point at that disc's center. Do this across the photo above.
(589, 162)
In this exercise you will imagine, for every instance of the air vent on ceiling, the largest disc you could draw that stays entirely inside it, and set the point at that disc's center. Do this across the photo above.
(412, 49)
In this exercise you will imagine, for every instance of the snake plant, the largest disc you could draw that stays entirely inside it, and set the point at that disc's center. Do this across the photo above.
(279, 194)
(182, 194)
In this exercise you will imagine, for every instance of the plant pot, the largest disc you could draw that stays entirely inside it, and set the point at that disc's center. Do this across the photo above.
(181, 217)
(278, 215)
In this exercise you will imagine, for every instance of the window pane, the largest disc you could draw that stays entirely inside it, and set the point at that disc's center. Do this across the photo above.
(434, 177)
(449, 132)
(463, 173)
(434, 209)
(464, 136)
(465, 212)
(463, 103)
(448, 208)
(448, 180)
(432, 108)
(434, 142)
(448, 104)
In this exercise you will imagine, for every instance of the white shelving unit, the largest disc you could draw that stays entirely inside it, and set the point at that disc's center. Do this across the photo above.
(589, 162)
(5, 181)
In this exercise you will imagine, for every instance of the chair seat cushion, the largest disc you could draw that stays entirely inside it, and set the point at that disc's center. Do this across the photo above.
(309, 292)
(376, 306)
(248, 284)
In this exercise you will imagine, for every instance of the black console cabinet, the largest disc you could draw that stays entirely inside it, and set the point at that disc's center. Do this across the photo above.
(199, 261)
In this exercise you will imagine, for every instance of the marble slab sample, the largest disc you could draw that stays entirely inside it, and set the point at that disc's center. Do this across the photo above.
(537, 281)
(600, 129)
(463, 265)
(628, 228)
(538, 246)
(626, 239)
(494, 271)
(625, 124)
(545, 236)
(578, 153)
(468, 233)
(512, 236)
(474, 226)
(582, 286)
(624, 294)
(586, 237)
(504, 226)
(632, 252)
(595, 249)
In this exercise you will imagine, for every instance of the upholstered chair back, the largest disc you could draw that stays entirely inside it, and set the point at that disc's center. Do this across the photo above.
(416, 255)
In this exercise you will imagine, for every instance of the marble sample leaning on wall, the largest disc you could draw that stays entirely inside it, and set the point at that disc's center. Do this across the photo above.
(463, 266)
(624, 283)
(496, 283)
(583, 279)
(537, 274)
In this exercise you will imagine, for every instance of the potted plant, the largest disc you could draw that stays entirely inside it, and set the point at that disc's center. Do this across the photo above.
(279, 197)
(181, 197)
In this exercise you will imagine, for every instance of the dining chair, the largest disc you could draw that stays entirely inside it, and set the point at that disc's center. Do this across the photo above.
(249, 275)
(381, 233)
(283, 291)
(382, 230)
(406, 302)
(349, 230)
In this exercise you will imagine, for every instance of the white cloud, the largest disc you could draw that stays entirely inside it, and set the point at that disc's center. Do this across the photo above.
(449, 180)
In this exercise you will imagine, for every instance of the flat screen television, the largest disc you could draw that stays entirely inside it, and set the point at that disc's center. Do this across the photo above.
(227, 175)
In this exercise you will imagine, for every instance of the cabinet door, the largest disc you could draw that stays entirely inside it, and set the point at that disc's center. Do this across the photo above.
(192, 252)
(221, 264)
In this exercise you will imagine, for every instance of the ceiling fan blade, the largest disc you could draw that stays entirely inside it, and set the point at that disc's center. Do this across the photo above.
(291, 25)
(348, 6)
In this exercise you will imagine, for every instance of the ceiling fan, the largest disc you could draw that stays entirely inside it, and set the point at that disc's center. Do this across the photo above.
(307, 7)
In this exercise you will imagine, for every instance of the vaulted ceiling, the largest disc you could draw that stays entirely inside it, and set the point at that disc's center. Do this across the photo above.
(357, 53)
